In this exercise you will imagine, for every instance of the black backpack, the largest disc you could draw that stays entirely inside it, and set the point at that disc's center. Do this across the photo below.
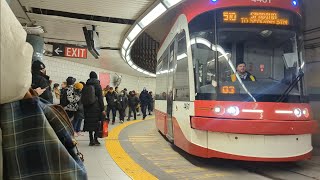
(63, 98)
(88, 95)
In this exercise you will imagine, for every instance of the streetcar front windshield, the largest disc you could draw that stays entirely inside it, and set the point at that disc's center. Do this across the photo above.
(246, 63)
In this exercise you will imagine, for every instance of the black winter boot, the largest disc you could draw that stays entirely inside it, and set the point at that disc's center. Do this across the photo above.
(96, 142)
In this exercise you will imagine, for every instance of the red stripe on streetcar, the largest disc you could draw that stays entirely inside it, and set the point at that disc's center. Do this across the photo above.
(262, 127)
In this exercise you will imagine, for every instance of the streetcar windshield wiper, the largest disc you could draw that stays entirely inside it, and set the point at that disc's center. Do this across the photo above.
(291, 86)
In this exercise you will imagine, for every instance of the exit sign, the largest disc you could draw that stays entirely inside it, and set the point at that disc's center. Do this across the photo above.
(70, 51)
(75, 52)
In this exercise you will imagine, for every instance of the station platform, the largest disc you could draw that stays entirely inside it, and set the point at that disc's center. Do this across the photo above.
(136, 150)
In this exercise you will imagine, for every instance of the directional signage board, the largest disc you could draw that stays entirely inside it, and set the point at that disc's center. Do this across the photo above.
(71, 51)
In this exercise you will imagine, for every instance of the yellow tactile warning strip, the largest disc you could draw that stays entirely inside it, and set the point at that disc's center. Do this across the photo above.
(119, 155)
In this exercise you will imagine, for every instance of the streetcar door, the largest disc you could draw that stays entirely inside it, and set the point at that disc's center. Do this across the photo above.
(172, 64)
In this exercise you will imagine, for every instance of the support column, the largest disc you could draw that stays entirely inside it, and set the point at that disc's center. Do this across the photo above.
(37, 43)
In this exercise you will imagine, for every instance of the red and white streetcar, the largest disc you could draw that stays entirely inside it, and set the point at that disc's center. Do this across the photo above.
(203, 105)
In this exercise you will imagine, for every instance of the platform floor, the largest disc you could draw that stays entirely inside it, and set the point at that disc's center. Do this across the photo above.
(143, 153)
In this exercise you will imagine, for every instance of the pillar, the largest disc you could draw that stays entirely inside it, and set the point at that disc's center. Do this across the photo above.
(37, 43)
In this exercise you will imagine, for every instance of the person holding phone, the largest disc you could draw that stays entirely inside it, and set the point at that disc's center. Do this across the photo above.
(40, 81)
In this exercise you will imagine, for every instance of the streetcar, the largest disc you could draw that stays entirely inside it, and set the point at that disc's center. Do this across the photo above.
(208, 109)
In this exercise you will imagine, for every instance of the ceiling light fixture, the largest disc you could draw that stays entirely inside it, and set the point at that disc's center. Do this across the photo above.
(170, 3)
(152, 15)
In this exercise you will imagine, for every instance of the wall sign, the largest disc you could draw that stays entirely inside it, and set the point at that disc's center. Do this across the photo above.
(68, 50)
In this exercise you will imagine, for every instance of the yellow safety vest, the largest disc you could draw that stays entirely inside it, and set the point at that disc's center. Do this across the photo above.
(234, 78)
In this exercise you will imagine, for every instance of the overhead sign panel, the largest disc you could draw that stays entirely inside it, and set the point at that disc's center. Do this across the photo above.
(269, 17)
(70, 51)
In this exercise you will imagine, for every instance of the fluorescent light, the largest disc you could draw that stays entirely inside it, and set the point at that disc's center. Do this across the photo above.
(283, 112)
(170, 3)
(131, 44)
(204, 42)
(153, 75)
(128, 58)
(181, 56)
(130, 63)
(128, 52)
(125, 44)
(123, 52)
(140, 70)
(252, 110)
(134, 32)
(134, 66)
(152, 15)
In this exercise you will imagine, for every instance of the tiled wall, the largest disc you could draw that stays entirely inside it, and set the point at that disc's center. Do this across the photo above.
(59, 70)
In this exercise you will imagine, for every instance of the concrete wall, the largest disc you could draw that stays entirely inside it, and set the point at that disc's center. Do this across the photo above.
(59, 70)
(312, 58)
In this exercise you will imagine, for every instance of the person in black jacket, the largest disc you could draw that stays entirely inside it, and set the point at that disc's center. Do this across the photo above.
(122, 105)
(150, 104)
(41, 81)
(133, 102)
(111, 98)
(95, 112)
(144, 101)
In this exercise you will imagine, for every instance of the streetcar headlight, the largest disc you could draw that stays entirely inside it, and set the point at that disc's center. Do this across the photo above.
(297, 112)
(217, 109)
(305, 112)
(233, 110)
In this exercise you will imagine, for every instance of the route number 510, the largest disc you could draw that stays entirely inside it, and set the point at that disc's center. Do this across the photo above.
(261, 1)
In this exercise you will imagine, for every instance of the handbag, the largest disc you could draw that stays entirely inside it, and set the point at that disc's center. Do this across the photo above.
(102, 129)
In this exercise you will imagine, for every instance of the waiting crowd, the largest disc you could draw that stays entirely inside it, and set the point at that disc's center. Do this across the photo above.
(84, 101)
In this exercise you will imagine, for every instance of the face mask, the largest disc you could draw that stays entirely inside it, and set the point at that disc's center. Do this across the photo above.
(122, 94)
(16, 57)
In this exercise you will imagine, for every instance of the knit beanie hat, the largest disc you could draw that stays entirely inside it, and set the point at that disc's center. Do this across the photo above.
(78, 86)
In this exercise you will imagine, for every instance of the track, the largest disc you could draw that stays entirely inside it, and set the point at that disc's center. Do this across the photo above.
(150, 149)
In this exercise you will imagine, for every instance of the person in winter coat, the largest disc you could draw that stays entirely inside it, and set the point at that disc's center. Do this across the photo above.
(122, 105)
(150, 104)
(79, 114)
(144, 100)
(133, 102)
(56, 94)
(111, 98)
(95, 112)
(40, 81)
(72, 98)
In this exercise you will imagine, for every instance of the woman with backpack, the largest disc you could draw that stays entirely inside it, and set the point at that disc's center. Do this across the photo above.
(93, 107)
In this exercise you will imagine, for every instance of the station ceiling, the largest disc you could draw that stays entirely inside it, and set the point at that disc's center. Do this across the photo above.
(63, 22)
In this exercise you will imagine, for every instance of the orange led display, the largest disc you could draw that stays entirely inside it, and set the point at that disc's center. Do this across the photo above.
(255, 17)
(228, 90)
(229, 16)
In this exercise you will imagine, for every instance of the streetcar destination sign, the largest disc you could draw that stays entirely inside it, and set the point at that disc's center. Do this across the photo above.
(255, 17)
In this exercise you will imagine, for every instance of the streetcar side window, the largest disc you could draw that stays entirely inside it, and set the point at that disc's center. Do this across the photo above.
(182, 74)
(161, 80)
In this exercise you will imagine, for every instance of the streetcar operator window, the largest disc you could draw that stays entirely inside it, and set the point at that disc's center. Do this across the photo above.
(265, 58)
(243, 73)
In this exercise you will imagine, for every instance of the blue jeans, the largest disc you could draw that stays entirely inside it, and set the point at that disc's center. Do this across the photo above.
(76, 123)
